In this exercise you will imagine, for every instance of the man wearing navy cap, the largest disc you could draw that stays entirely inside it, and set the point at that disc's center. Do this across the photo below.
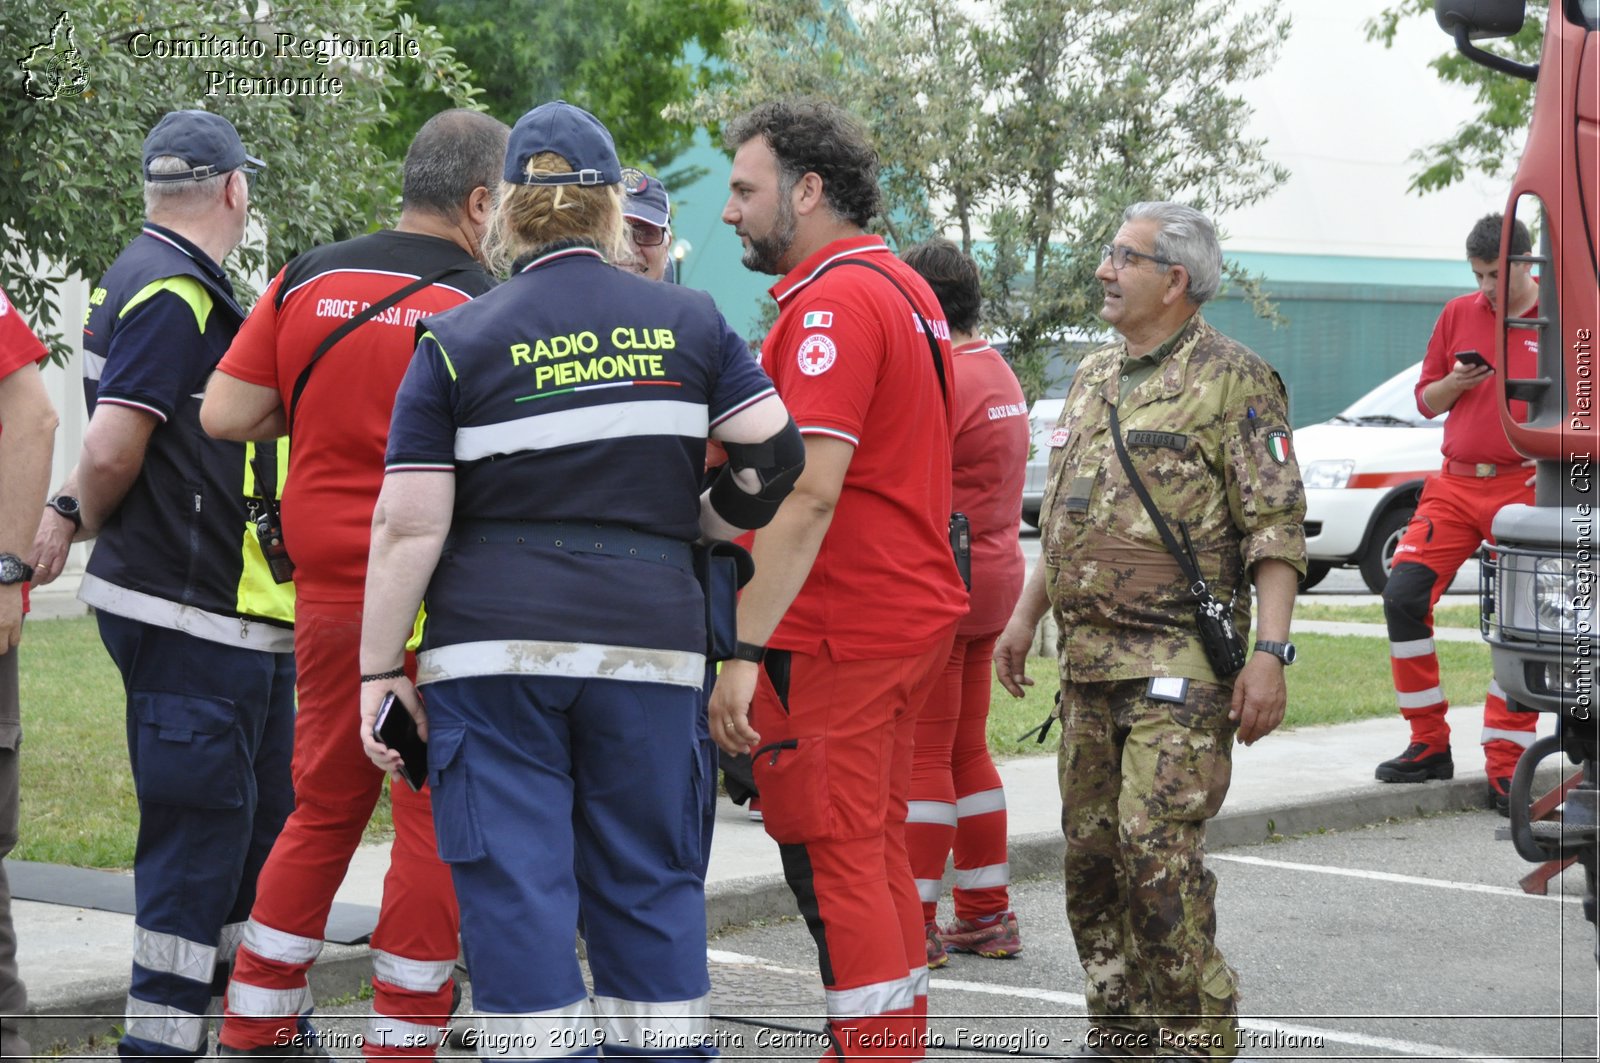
(184, 599)
(648, 212)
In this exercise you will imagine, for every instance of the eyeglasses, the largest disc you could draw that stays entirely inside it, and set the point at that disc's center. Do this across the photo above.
(1119, 255)
(647, 235)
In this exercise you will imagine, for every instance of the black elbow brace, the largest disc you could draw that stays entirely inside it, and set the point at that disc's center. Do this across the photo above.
(777, 463)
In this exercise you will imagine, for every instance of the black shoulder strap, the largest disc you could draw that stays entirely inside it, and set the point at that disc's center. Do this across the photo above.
(350, 326)
(1191, 572)
(927, 331)
(266, 472)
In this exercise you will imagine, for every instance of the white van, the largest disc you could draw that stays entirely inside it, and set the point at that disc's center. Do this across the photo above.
(1363, 471)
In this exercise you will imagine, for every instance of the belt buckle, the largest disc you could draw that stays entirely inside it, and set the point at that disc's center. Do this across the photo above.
(1484, 468)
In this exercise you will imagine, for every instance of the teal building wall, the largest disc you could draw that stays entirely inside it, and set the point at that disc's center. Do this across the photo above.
(1348, 323)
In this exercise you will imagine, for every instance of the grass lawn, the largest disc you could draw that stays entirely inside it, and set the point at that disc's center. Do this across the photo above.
(77, 791)
(1443, 616)
(1337, 679)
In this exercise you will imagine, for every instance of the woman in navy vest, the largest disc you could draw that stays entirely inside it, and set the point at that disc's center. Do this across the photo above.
(542, 492)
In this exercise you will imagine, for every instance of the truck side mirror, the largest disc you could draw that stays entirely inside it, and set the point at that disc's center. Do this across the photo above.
(1472, 20)
(1482, 18)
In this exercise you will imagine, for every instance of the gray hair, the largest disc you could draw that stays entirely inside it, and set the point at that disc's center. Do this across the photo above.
(452, 154)
(1187, 237)
(180, 198)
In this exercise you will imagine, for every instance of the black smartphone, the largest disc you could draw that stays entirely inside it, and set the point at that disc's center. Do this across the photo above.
(397, 730)
(1473, 358)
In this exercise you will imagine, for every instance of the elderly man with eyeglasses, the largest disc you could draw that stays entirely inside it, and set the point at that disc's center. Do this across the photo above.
(1148, 721)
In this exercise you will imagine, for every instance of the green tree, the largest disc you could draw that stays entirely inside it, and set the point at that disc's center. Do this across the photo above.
(1025, 126)
(70, 191)
(624, 60)
(1492, 139)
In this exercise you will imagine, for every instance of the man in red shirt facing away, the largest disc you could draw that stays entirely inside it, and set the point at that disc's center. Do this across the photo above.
(338, 430)
(1481, 474)
(851, 614)
(27, 435)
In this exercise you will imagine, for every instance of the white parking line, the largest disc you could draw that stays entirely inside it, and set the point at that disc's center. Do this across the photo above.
(1284, 1034)
(1389, 876)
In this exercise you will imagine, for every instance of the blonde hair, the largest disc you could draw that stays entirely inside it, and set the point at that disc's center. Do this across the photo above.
(530, 216)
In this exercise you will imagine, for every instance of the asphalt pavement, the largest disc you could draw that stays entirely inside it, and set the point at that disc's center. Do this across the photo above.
(1411, 939)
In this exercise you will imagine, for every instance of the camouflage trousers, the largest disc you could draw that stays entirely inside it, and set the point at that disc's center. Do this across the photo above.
(1139, 778)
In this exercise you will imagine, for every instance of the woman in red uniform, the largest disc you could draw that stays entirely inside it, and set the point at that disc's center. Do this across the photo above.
(955, 791)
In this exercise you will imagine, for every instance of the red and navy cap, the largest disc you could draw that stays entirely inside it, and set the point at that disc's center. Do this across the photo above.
(646, 199)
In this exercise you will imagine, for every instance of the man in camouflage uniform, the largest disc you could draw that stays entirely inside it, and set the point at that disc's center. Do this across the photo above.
(1147, 725)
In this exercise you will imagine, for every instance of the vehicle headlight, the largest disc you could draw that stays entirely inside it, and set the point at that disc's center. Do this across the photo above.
(1327, 474)
(1557, 596)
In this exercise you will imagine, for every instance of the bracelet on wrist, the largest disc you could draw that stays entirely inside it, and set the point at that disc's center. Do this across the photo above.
(376, 677)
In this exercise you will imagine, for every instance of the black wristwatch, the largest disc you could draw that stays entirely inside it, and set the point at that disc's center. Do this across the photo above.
(1283, 651)
(749, 651)
(67, 506)
(14, 570)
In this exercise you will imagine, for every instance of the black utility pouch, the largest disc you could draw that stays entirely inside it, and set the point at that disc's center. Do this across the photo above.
(722, 568)
(961, 546)
(1218, 637)
(269, 533)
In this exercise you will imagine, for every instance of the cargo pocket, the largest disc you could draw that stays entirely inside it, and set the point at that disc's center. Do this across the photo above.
(1219, 1008)
(455, 814)
(1205, 707)
(687, 857)
(188, 751)
(792, 778)
(1194, 765)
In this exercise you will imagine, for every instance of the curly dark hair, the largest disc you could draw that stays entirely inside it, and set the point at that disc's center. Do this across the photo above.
(1483, 242)
(809, 135)
(953, 276)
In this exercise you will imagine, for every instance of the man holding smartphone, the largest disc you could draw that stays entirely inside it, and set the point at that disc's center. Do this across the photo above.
(1481, 473)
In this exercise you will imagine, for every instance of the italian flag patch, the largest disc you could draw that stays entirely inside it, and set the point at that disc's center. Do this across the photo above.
(818, 319)
(1278, 445)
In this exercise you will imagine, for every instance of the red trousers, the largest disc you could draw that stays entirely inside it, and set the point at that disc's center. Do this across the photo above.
(415, 944)
(1454, 516)
(956, 796)
(834, 771)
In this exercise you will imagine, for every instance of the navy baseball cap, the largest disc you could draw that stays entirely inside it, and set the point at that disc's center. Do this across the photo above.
(646, 199)
(567, 131)
(207, 142)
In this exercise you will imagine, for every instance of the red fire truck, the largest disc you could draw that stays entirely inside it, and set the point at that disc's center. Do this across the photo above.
(1539, 594)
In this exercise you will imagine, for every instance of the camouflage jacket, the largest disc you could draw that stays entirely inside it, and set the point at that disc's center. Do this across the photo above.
(1208, 432)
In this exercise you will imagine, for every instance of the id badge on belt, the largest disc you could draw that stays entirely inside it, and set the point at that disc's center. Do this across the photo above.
(1167, 688)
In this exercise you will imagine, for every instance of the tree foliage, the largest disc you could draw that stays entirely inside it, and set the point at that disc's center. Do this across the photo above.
(70, 186)
(1490, 141)
(1024, 127)
(623, 60)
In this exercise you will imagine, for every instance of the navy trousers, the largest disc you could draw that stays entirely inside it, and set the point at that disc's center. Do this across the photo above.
(210, 733)
(551, 793)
